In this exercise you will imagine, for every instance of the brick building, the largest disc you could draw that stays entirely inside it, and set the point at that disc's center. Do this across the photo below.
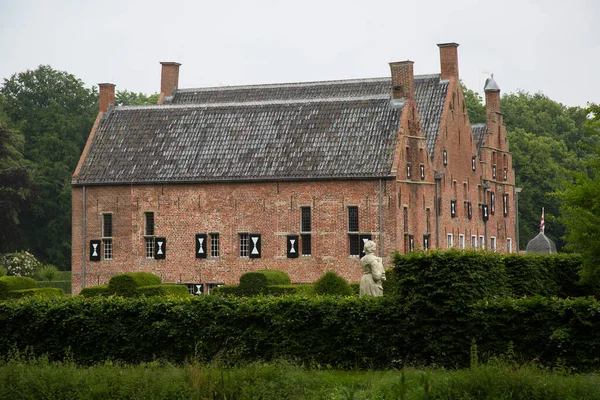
(215, 182)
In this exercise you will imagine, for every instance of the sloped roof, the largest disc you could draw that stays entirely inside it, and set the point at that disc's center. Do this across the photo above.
(479, 133)
(541, 244)
(319, 130)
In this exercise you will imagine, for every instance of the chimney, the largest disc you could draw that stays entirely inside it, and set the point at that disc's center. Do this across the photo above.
(169, 78)
(449, 60)
(492, 104)
(403, 80)
(107, 95)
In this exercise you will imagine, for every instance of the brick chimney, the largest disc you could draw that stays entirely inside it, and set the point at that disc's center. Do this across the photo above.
(107, 95)
(492, 104)
(403, 80)
(169, 78)
(449, 60)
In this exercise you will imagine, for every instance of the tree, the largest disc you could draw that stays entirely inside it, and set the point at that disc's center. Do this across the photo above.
(475, 107)
(127, 98)
(54, 112)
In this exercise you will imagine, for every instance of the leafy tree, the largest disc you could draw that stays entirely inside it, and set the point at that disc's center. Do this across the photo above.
(48, 273)
(54, 112)
(127, 98)
(475, 107)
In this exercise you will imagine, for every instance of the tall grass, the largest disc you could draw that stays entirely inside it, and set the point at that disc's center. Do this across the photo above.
(37, 378)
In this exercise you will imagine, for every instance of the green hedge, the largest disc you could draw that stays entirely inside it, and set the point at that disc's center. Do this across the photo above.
(341, 332)
(332, 284)
(10, 283)
(127, 284)
(38, 292)
(225, 290)
(253, 283)
(64, 285)
(289, 290)
(164, 290)
(95, 291)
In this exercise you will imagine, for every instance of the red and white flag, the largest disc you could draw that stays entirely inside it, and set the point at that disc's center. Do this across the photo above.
(542, 224)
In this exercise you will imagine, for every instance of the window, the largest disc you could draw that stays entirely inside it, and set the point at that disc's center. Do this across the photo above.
(408, 171)
(450, 240)
(305, 226)
(473, 242)
(445, 157)
(505, 173)
(492, 202)
(494, 171)
(107, 236)
(469, 210)
(149, 234)
(505, 204)
(425, 242)
(453, 208)
(353, 238)
(493, 244)
(509, 245)
(243, 245)
(481, 242)
(422, 170)
(473, 163)
(214, 245)
(461, 241)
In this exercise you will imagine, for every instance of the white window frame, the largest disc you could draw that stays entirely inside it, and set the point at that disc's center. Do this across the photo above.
(461, 241)
(244, 244)
(474, 242)
(481, 242)
(509, 245)
(450, 240)
(214, 244)
(493, 243)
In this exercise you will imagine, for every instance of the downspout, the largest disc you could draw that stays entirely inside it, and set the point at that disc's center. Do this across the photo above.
(83, 211)
(438, 177)
(380, 221)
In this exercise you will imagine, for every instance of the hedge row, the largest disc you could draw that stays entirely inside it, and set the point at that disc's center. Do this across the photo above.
(134, 284)
(64, 285)
(342, 332)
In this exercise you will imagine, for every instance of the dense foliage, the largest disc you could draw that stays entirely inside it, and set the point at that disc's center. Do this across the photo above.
(21, 263)
(11, 283)
(253, 283)
(127, 284)
(332, 284)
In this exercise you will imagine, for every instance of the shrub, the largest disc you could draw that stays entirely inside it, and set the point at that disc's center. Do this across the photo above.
(95, 291)
(253, 283)
(289, 290)
(231, 290)
(164, 290)
(10, 283)
(332, 284)
(127, 284)
(2, 270)
(64, 285)
(391, 286)
(355, 286)
(20, 263)
(37, 292)
(48, 273)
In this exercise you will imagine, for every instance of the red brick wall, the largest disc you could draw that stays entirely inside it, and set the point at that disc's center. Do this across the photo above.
(271, 209)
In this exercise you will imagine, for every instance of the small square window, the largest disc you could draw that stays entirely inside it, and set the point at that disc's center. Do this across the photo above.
(214, 245)
(149, 247)
(243, 245)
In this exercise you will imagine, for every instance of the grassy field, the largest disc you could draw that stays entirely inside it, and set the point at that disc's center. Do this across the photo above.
(21, 378)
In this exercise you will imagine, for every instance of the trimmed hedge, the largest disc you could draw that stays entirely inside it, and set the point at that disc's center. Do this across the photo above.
(64, 285)
(95, 291)
(225, 290)
(289, 290)
(345, 332)
(332, 284)
(10, 283)
(164, 290)
(37, 292)
(127, 284)
(253, 283)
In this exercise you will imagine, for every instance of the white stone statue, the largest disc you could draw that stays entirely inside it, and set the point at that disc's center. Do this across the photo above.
(373, 272)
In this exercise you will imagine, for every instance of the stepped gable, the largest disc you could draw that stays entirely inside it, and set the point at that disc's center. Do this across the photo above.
(316, 130)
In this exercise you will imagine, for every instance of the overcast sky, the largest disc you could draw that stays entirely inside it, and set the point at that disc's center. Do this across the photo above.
(552, 46)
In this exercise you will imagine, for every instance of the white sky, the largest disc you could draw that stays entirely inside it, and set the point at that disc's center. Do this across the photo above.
(552, 46)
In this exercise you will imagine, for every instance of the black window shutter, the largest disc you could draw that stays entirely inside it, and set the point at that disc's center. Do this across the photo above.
(160, 248)
(484, 212)
(201, 239)
(95, 250)
(292, 246)
(254, 245)
(469, 210)
(453, 208)
(363, 240)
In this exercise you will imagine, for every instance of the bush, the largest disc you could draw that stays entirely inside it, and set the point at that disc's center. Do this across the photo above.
(127, 284)
(253, 283)
(48, 273)
(37, 292)
(2, 271)
(95, 291)
(289, 290)
(11, 283)
(20, 263)
(64, 285)
(164, 290)
(225, 290)
(391, 286)
(355, 286)
(332, 284)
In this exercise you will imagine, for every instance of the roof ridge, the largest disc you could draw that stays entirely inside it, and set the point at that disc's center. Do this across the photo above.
(256, 103)
(299, 84)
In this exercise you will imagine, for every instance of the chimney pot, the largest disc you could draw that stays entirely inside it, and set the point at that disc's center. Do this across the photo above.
(403, 80)
(107, 95)
(449, 60)
(169, 77)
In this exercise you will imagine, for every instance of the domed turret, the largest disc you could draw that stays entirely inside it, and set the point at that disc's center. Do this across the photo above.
(541, 244)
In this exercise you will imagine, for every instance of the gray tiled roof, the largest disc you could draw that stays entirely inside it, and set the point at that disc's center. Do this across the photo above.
(479, 133)
(541, 244)
(320, 130)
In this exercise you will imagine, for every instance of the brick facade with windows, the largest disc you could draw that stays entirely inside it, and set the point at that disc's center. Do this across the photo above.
(292, 177)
